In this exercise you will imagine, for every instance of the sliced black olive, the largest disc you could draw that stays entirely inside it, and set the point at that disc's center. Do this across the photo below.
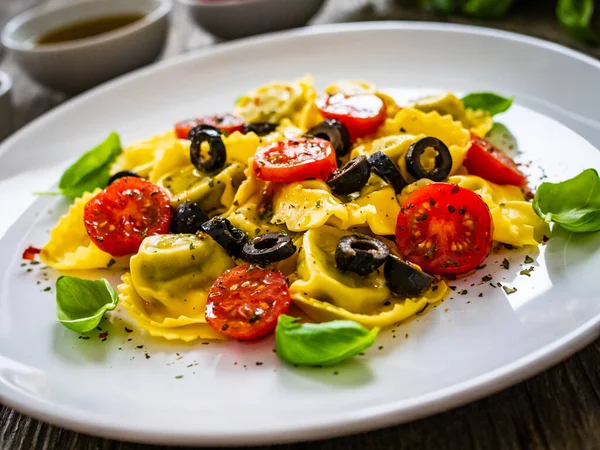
(360, 254)
(188, 218)
(404, 279)
(232, 239)
(335, 132)
(351, 177)
(386, 169)
(122, 174)
(217, 152)
(268, 248)
(443, 160)
(260, 128)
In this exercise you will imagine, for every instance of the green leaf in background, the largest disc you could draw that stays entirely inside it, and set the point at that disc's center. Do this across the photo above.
(491, 9)
(320, 344)
(488, 101)
(444, 6)
(574, 204)
(576, 17)
(81, 304)
(92, 170)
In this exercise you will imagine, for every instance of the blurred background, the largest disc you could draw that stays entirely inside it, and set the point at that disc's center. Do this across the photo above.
(48, 59)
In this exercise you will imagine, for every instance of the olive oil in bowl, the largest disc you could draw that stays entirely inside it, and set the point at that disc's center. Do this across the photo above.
(87, 28)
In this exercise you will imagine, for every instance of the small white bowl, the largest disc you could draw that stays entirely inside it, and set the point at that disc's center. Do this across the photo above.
(232, 19)
(78, 65)
(5, 105)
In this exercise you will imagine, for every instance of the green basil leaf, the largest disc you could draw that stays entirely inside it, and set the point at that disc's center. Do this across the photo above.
(81, 304)
(577, 17)
(488, 101)
(320, 344)
(486, 8)
(574, 204)
(92, 170)
(501, 137)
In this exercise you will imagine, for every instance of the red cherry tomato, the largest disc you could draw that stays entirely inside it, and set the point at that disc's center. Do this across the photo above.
(492, 164)
(295, 160)
(120, 217)
(362, 114)
(246, 301)
(224, 122)
(445, 229)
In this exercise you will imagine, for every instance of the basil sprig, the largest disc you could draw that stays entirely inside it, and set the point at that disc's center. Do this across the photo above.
(81, 304)
(320, 344)
(92, 169)
(488, 101)
(574, 204)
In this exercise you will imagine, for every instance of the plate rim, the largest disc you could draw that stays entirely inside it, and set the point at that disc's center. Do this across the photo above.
(354, 421)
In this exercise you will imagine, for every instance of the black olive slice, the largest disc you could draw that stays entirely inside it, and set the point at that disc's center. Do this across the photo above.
(360, 254)
(404, 279)
(268, 248)
(443, 160)
(217, 152)
(188, 218)
(122, 174)
(335, 132)
(386, 169)
(232, 239)
(351, 177)
(260, 128)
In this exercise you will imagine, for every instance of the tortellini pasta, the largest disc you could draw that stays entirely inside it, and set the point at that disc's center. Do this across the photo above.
(211, 192)
(180, 328)
(174, 172)
(168, 284)
(310, 204)
(325, 293)
(515, 222)
(142, 155)
(275, 101)
(478, 121)
(251, 210)
(379, 194)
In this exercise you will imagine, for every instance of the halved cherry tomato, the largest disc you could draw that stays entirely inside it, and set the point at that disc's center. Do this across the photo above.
(295, 160)
(362, 114)
(492, 164)
(120, 217)
(445, 229)
(224, 122)
(246, 301)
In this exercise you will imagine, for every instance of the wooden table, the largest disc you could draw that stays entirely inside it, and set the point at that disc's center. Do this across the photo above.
(559, 408)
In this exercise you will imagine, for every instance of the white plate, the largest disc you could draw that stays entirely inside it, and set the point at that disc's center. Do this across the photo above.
(466, 348)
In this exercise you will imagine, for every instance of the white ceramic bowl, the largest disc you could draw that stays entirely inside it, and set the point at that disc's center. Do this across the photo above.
(5, 105)
(232, 19)
(78, 65)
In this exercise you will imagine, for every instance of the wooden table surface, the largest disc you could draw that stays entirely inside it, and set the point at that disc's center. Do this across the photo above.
(557, 409)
